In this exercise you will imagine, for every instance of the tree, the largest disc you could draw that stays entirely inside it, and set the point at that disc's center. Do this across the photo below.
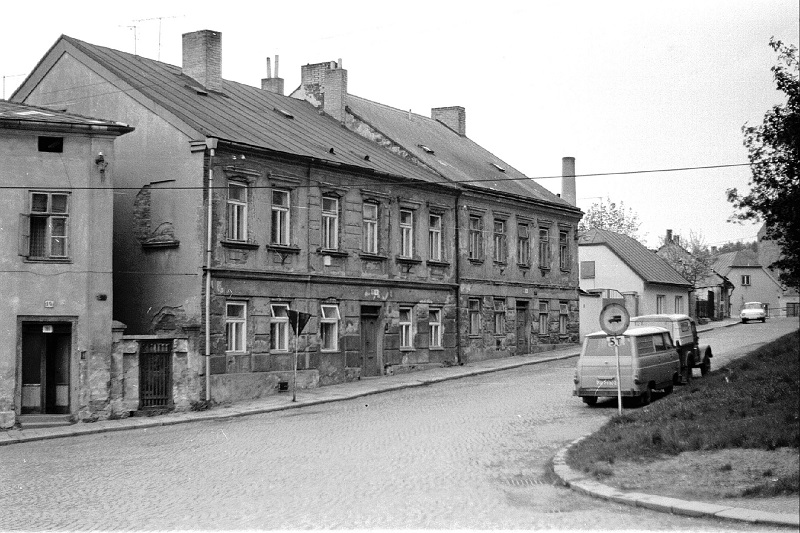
(774, 153)
(737, 246)
(602, 215)
(690, 257)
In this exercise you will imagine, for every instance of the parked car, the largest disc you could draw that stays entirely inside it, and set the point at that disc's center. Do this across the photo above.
(647, 358)
(753, 311)
(684, 331)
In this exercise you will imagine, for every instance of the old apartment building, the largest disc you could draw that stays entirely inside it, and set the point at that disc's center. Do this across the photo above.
(241, 204)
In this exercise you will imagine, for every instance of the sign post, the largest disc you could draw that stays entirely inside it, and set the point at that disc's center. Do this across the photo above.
(614, 320)
(298, 321)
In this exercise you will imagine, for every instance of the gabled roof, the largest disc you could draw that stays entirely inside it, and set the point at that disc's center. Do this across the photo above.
(248, 115)
(647, 264)
(457, 158)
(723, 263)
(22, 116)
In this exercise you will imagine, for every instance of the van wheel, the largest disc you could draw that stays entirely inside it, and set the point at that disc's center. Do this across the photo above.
(763, 320)
(687, 374)
(646, 397)
(589, 400)
(706, 367)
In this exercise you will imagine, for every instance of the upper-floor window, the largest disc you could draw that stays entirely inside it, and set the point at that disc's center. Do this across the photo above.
(474, 316)
(280, 217)
(330, 223)
(523, 245)
(45, 229)
(587, 269)
(746, 279)
(435, 237)
(499, 317)
(500, 246)
(329, 327)
(406, 233)
(544, 247)
(661, 303)
(406, 327)
(236, 326)
(237, 211)
(279, 328)
(475, 237)
(435, 324)
(563, 250)
(369, 237)
(679, 304)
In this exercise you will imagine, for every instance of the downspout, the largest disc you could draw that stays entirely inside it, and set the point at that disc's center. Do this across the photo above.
(211, 144)
(457, 217)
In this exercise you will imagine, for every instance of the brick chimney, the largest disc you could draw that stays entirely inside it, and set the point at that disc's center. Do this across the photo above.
(202, 58)
(669, 237)
(454, 117)
(568, 191)
(274, 85)
(324, 85)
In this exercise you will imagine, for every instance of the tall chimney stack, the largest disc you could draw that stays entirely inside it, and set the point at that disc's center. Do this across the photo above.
(454, 117)
(202, 58)
(324, 85)
(274, 85)
(568, 192)
(669, 237)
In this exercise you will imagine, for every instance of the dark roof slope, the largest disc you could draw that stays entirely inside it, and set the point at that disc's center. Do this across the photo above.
(16, 115)
(457, 158)
(723, 263)
(647, 264)
(250, 115)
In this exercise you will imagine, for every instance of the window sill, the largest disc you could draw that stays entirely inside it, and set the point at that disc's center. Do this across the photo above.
(330, 351)
(246, 245)
(48, 260)
(407, 349)
(283, 248)
(157, 245)
(502, 264)
(407, 260)
(333, 253)
(523, 266)
(566, 270)
(437, 263)
(372, 257)
(475, 261)
(436, 349)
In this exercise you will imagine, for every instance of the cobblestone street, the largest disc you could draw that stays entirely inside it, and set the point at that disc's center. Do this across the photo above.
(470, 454)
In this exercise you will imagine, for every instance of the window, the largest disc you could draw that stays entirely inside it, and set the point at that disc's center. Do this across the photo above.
(475, 237)
(235, 326)
(661, 304)
(435, 237)
(544, 248)
(330, 223)
(279, 328)
(746, 279)
(499, 317)
(474, 317)
(45, 233)
(329, 327)
(369, 238)
(280, 217)
(406, 233)
(435, 323)
(237, 212)
(523, 245)
(406, 329)
(563, 250)
(500, 253)
(587, 269)
(544, 312)
(51, 144)
(679, 304)
(563, 317)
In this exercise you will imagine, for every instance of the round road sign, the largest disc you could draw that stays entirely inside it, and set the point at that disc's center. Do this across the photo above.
(614, 319)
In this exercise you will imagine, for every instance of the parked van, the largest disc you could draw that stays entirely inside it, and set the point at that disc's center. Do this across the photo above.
(647, 362)
(684, 332)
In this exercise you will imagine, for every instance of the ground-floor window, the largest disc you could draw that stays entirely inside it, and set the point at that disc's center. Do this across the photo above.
(329, 327)
(474, 316)
(406, 329)
(435, 324)
(679, 304)
(544, 312)
(563, 317)
(236, 326)
(661, 304)
(279, 328)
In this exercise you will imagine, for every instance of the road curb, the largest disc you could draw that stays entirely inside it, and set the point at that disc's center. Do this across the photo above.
(83, 428)
(582, 483)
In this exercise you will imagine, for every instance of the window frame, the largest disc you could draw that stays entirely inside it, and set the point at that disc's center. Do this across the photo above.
(406, 233)
(475, 316)
(329, 224)
(47, 234)
(369, 228)
(280, 325)
(435, 237)
(436, 328)
(563, 317)
(661, 304)
(500, 240)
(280, 218)
(499, 309)
(329, 328)
(237, 209)
(475, 232)
(745, 280)
(679, 308)
(564, 257)
(545, 255)
(544, 317)
(523, 244)
(236, 328)
(406, 327)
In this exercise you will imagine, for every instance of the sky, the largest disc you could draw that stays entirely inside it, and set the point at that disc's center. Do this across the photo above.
(620, 85)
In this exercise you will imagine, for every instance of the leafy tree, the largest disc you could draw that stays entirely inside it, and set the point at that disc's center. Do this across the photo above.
(738, 246)
(774, 152)
(608, 215)
(690, 257)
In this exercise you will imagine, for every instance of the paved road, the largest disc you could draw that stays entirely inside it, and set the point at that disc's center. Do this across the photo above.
(468, 454)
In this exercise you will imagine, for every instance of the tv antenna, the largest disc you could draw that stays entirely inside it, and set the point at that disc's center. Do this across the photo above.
(159, 19)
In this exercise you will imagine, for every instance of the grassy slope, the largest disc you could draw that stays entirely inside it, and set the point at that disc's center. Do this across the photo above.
(751, 403)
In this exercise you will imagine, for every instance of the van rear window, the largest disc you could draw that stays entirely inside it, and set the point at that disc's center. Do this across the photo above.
(599, 347)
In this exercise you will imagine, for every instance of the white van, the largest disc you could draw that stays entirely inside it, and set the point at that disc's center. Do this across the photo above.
(647, 358)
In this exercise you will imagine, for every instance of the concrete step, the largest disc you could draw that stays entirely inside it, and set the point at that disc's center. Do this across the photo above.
(43, 421)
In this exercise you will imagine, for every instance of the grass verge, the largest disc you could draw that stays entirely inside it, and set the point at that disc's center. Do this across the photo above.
(753, 403)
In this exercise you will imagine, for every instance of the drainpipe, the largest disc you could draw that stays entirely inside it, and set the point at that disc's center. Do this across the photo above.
(459, 347)
(211, 144)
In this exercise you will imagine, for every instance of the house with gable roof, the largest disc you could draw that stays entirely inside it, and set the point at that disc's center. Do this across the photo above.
(242, 206)
(752, 282)
(613, 261)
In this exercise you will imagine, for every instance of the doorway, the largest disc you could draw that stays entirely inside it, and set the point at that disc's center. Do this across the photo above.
(155, 374)
(370, 319)
(46, 356)
(523, 328)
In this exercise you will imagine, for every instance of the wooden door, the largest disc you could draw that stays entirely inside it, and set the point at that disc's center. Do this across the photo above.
(370, 365)
(523, 328)
(46, 356)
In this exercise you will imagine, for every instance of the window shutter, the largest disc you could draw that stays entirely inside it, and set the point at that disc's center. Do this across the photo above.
(24, 235)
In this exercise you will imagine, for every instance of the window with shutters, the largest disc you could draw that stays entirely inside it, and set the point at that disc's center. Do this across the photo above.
(44, 230)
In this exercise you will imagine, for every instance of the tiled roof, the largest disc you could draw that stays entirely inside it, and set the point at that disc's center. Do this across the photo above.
(647, 264)
(251, 116)
(455, 157)
(723, 263)
(12, 113)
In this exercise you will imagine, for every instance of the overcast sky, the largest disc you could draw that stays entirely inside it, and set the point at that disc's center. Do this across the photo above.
(619, 85)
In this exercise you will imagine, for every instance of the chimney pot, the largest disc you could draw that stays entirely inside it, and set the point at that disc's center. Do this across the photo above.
(273, 85)
(202, 58)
